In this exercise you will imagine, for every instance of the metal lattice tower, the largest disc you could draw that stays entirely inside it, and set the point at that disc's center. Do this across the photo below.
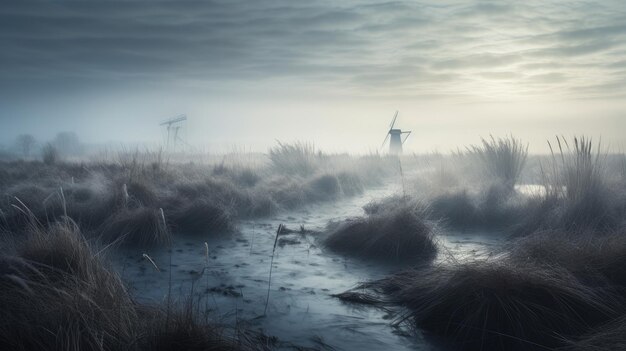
(173, 127)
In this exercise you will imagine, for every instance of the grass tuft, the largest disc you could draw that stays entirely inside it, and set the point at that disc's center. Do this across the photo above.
(502, 158)
(499, 305)
(142, 227)
(394, 232)
(297, 158)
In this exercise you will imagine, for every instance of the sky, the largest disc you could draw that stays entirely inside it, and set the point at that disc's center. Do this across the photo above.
(248, 73)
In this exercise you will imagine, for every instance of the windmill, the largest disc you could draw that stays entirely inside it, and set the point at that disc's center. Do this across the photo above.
(173, 127)
(395, 137)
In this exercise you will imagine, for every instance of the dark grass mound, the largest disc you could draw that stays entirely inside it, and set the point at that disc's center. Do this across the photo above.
(56, 295)
(287, 192)
(242, 202)
(497, 207)
(386, 204)
(141, 226)
(611, 336)
(136, 193)
(242, 176)
(500, 305)
(87, 204)
(201, 217)
(323, 188)
(351, 184)
(182, 330)
(457, 209)
(398, 233)
(595, 259)
(20, 204)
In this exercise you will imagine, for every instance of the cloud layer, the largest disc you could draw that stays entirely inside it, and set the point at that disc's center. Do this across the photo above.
(388, 49)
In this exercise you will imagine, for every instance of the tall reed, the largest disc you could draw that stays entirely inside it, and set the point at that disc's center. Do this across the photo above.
(502, 158)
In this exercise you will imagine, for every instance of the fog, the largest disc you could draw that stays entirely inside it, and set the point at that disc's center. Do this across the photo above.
(247, 73)
(223, 175)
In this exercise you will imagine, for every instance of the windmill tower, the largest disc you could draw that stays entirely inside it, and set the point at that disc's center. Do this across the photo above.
(395, 137)
(173, 127)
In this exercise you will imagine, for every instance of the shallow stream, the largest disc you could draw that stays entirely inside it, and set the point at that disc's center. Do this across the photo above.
(233, 283)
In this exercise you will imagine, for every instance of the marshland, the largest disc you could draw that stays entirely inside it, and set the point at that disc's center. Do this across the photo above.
(483, 248)
(209, 175)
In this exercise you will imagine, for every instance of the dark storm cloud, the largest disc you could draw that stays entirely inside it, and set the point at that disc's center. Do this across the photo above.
(427, 47)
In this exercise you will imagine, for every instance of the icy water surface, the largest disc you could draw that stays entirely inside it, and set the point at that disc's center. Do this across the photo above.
(300, 309)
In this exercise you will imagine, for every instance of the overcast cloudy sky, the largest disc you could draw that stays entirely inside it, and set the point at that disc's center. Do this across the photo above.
(333, 72)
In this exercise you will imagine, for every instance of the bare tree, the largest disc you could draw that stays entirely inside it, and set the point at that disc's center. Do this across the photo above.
(25, 143)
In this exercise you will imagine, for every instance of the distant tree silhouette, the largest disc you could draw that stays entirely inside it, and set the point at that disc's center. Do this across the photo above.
(49, 155)
(25, 143)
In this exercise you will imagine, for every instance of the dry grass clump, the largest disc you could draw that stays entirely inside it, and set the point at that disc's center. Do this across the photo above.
(577, 179)
(456, 209)
(19, 204)
(396, 233)
(385, 204)
(502, 158)
(351, 184)
(297, 158)
(180, 329)
(496, 208)
(499, 305)
(200, 217)
(607, 337)
(595, 259)
(324, 187)
(57, 295)
(141, 226)
(136, 193)
(242, 202)
(287, 192)
(88, 204)
(243, 176)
